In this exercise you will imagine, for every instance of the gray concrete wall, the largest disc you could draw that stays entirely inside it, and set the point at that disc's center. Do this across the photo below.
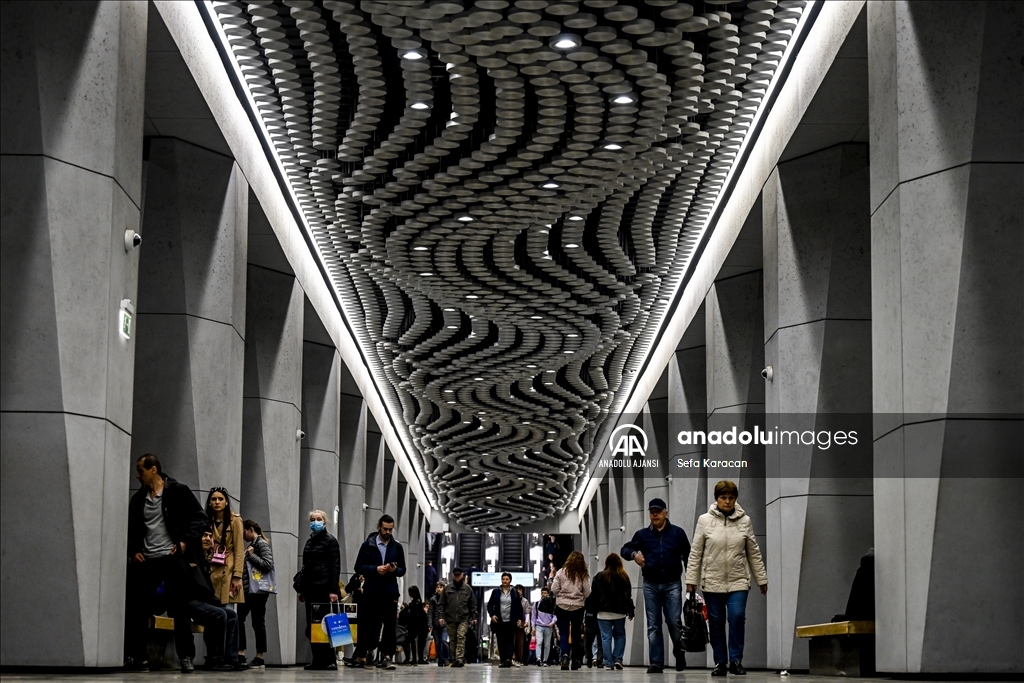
(191, 316)
(817, 336)
(735, 358)
(947, 293)
(71, 185)
(272, 401)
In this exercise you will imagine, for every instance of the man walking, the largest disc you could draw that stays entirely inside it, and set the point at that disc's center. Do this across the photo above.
(165, 522)
(381, 562)
(437, 629)
(661, 549)
(459, 610)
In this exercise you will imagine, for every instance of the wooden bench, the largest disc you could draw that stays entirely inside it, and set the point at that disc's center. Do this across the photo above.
(167, 624)
(842, 648)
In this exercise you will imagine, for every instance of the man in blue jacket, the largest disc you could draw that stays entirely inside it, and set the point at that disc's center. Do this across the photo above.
(661, 549)
(381, 561)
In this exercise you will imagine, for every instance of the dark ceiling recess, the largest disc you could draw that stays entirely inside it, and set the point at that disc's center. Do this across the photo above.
(505, 195)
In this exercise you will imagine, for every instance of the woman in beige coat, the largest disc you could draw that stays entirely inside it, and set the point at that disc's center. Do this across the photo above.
(228, 547)
(723, 553)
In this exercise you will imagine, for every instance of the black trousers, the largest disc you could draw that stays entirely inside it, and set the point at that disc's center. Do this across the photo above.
(154, 587)
(323, 653)
(256, 605)
(505, 633)
(220, 629)
(378, 616)
(571, 621)
(414, 646)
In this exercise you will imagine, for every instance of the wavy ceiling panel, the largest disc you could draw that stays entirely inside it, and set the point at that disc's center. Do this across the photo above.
(505, 194)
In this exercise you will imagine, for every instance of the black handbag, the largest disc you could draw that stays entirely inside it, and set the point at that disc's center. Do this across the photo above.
(695, 628)
(297, 581)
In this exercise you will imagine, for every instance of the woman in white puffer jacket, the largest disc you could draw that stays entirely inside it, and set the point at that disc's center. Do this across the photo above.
(723, 553)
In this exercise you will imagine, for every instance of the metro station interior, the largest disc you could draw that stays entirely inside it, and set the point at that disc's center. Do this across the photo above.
(487, 266)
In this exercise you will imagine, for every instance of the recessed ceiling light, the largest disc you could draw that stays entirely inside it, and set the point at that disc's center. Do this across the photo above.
(572, 335)
(478, 379)
(550, 186)
(453, 327)
(531, 366)
(420, 248)
(465, 219)
(612, 146)
(449, 391)
(466, 422)
(566, 41)
(571, 246)
(420, 105)
(412, 54)
(472, 296)
(550, 371)
(449, 310)
(425, 274)
(570, 352)
(536, 317)
(575, 218)
(623, 99)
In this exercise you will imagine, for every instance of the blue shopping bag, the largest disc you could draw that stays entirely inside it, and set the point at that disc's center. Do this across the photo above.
(337, 628)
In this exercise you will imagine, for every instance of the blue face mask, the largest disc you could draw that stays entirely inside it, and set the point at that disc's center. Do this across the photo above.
(316, 526)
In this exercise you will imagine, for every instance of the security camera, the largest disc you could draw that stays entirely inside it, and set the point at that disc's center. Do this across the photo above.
(299, 435)
(132, 239)
(622, 528)
(366, 506)
(767, 373)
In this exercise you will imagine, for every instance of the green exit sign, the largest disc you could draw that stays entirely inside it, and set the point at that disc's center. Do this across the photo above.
(125, 319)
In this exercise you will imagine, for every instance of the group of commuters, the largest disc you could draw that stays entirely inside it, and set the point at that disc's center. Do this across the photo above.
(198, 564)
(195, 564)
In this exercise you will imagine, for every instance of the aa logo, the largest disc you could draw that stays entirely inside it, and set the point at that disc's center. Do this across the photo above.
(628, 441)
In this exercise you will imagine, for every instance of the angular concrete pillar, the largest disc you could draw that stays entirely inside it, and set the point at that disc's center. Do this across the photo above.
(947, 168)
(351, 468)
(71, 145)
(318, 470)
(687, 410)
(270, 445)
(817, 335)
(191, 316)
(373, 482)
(735, 358)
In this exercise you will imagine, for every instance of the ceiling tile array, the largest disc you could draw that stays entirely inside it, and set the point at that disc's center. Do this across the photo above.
(505, 194)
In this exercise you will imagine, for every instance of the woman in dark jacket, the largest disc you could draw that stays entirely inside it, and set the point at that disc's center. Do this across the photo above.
(319, 581)
(506, 611)
(259, 557)
(612, 596)
(416, 627)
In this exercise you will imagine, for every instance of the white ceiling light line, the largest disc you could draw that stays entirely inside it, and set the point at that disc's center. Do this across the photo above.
(402, 453)
(586, 489)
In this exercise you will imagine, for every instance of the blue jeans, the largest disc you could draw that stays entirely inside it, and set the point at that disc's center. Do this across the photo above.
(719, 605)
(544, 634)
(613, 629)
(667, 597)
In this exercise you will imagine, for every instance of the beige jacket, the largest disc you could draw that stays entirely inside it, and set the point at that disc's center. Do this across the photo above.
(569, 595)
(723, 553)
(221, 575)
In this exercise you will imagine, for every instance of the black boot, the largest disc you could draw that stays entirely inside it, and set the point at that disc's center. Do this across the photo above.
(736, 669)
(565, 662)
(719, 670)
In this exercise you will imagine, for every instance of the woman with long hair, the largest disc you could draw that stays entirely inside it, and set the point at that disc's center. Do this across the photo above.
(258, 556)
(416, 627)
(228, 559)
(571, 588)
(612, 596)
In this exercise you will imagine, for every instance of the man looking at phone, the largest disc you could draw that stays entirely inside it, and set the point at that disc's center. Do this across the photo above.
(381, 561)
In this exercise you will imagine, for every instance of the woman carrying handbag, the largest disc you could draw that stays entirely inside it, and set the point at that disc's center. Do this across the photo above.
(258, 558)
(227, 564)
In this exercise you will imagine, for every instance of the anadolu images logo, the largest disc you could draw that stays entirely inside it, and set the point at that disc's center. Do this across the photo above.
(626, 444)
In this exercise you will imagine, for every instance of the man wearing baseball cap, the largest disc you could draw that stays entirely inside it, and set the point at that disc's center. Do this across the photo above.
(458, 611)
(661, 549)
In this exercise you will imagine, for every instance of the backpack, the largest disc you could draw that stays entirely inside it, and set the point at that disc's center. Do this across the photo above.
(546, 605)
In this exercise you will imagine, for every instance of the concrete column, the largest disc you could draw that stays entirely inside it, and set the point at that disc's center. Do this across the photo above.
(373, 483)
(191, 316)
(599, 539)
(947, 291)
(270, 445)
(71, 145)
(318, 469)
(351, 468)
(735, 357)
(817, 335)
(687, 410)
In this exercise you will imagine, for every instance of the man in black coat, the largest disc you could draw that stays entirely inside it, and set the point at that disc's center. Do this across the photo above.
(660, 550)
(165, 525)
(381, 562)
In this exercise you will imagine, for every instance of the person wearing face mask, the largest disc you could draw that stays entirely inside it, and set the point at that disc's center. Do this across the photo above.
(319, 582)
(723, 554)
(458, 613)
(381, 562)
(228, 560)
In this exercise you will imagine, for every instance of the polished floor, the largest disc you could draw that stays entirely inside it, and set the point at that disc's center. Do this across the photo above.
(477, 673)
